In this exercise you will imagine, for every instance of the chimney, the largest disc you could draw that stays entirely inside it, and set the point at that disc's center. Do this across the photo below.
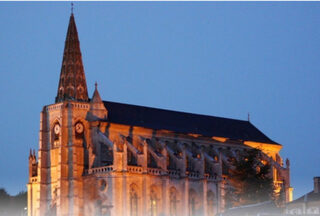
(316, 181)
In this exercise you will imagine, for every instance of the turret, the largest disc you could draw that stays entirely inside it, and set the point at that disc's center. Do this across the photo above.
(33, 164)
(97, 111)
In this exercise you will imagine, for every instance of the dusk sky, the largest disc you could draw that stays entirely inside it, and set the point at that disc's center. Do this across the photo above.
(223, 59)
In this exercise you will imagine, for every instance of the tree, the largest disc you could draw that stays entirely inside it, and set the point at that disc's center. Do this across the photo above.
(250, 179)
(12, 205)
(4, 201)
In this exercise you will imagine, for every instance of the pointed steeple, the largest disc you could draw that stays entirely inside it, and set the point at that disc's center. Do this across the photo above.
(72, 83)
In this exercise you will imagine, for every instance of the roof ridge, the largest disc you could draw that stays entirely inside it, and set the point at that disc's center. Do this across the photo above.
(177, 111)
(184, 122)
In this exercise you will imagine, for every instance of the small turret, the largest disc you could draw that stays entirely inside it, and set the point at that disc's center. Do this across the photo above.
(97, 111)
(33, 164)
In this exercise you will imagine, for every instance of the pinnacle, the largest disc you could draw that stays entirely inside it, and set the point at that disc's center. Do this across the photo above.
(96, 96)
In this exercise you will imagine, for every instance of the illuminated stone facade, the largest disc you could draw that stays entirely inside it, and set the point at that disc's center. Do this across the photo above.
(103, 158)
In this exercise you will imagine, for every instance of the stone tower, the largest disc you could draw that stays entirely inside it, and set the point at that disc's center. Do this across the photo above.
(63, 140)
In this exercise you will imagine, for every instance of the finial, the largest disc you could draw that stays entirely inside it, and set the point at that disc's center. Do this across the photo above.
(248, 117)
(96, 85)
(287, 163)
(71, 7)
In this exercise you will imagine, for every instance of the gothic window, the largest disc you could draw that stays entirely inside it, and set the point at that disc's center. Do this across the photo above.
(210, 203)
(80, 90)
(173, 202)
(70, 90)
(153, 203)
(133, 201)
(192, 202)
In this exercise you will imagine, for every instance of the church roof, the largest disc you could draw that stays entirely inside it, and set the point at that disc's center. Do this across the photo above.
(181, 122)
(72, 83)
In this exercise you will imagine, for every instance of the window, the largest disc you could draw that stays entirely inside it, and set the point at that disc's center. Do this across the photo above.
(133, 201)
(210, 203)
(192, 202)
(173, 202)
(153, 203)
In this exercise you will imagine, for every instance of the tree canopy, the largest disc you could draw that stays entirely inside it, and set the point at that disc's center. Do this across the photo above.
(12, 205)
(250, 179)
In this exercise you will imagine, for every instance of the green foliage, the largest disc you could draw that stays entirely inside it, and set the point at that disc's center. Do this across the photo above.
(250, 180)
(12, 205)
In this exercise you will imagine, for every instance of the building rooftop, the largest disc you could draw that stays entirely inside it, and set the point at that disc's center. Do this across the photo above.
(309, 197)
(185, 123)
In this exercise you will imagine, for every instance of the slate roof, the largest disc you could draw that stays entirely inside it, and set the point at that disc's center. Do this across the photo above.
(309, 197)
(181, 122)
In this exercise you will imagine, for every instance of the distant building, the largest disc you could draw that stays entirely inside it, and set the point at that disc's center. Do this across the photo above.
(106, 158)
(308, 204)
(260, 209)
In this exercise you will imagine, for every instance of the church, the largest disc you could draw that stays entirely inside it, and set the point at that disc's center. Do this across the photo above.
(100, 157)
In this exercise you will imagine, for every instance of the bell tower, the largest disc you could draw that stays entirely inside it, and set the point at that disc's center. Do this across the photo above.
(57, 187)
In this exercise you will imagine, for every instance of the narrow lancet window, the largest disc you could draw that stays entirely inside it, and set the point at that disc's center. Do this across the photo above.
(133, 202)
(173, 202)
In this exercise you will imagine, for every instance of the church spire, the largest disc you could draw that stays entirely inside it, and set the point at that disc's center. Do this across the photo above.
(72, 83)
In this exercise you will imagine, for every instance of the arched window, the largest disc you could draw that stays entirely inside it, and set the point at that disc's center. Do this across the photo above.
(192, 202)
(133, 201)
(210, 203)
(153, 203)
(173, 202)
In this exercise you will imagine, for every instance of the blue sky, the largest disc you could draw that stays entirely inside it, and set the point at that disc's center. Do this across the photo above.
(216, 58)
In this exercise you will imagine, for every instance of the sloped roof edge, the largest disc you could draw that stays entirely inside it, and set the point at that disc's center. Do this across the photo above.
(183, 122)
